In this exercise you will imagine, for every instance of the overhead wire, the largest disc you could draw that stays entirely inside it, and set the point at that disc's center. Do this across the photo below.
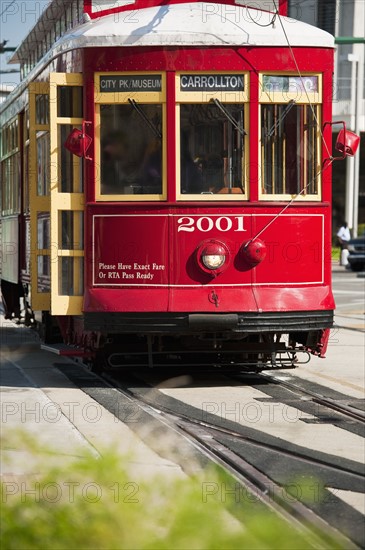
(7, 7)
(301, 79)
(330, 159)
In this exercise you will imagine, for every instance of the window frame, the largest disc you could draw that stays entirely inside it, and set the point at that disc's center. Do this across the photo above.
(307, 98)
(10, 168)
(121, 98)
(204, 97)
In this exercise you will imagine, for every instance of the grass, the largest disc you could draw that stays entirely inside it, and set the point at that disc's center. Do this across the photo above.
(95, 504)
(336, 251)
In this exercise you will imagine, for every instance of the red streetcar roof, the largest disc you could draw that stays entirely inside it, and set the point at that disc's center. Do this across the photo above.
(62, 15)
(96, 8)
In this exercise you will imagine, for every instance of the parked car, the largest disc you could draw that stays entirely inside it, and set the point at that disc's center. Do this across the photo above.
(356, 257)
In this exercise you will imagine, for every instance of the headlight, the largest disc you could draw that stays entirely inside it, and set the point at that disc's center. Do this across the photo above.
(213, 261)
(212, 257)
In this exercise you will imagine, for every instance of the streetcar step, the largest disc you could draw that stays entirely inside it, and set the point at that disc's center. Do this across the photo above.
(65, 350)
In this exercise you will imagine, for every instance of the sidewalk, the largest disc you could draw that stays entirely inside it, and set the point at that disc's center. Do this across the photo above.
(39, 400)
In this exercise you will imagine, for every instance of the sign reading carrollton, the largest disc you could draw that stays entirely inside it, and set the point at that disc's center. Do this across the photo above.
(212, 83)
(130, 83)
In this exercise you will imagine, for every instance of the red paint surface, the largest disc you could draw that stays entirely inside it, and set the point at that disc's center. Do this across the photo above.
(295, 274)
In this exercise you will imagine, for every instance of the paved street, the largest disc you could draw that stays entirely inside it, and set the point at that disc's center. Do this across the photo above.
(344, 367)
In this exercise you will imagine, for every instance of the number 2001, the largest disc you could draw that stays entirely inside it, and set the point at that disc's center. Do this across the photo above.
(205, 224)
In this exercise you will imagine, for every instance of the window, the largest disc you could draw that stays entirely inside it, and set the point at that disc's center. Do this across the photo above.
(42, 109)
(130, 114)
(290, 137)
(70, 167)
(69, 102)
(26, 160)
(131, 149)
(43, 174)
(211, 136)
(10, 169)
(211, 149)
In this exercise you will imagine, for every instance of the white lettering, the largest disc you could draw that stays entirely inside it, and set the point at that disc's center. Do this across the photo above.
(106, 266)
(206, 224)
(145, 276)
(212, 82)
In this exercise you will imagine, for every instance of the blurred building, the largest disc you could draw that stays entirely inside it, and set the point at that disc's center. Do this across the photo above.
(345, 19)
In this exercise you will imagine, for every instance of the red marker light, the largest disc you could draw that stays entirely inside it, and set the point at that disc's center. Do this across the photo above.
(254, 252)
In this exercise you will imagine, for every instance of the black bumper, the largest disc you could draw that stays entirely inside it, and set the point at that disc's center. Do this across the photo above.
(190, 323)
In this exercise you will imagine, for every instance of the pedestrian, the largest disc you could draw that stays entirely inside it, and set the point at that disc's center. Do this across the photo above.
(344, 236)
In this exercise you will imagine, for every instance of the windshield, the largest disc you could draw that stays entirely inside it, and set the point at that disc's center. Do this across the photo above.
(211, 148)
(131, 149)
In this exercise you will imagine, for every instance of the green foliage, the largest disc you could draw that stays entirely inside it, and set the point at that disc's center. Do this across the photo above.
(361, 229)
(95, 504)
(336, 251)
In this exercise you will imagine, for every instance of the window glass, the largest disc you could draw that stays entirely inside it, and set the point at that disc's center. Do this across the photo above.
(289, 149)
(43, 230)
(70, 167)
(44, 273)
(43, 163)
(26, 178)
(212, 148)
(131, 149)
(42, 109)
(72, 229)
(69, 101)
(71, 276)
(10, 169)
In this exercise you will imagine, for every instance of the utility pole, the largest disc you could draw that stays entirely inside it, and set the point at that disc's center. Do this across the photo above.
(356, 58)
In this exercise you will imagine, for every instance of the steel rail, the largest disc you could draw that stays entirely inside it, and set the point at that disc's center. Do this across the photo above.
(267, 490)
(350, 412)
(262, 487)
(231, 433)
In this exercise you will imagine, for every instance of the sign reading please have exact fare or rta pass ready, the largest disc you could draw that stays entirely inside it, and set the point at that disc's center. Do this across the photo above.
(126, 251)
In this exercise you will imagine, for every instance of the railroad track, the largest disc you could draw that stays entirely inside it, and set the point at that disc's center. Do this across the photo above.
(345, 410)
(207, 437)
(265, 465)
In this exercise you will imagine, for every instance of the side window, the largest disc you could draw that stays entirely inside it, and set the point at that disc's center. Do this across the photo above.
(130, 111)
(212, 136)
(290, 136)
(10, 169)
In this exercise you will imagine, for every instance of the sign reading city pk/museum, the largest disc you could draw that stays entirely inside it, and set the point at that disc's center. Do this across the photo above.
(211, 83)
(130, 83)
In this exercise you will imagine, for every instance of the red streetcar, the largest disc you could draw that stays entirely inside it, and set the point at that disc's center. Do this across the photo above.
(166, 183)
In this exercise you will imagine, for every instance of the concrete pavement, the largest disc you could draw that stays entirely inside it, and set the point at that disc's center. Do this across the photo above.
(41, 403)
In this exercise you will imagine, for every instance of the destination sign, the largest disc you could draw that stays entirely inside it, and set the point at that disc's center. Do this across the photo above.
(293, 84)
(211, 83)
(130, 83)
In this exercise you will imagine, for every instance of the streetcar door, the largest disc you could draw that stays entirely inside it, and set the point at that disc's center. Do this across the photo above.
(39, 195)
(67, 196)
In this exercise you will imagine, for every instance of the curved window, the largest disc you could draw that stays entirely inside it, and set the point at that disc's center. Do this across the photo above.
(290, 136)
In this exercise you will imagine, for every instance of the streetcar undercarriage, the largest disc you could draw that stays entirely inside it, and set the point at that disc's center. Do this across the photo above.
(161, 341)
